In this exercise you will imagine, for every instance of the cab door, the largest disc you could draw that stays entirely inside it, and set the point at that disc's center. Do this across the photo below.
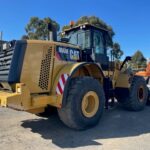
(99, 49)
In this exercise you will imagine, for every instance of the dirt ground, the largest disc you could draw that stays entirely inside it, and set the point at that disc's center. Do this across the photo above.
(117, 130)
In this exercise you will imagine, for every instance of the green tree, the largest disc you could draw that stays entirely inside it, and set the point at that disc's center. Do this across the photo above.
(138, 59)
(38, 28)
(116, 51)
(96, 21)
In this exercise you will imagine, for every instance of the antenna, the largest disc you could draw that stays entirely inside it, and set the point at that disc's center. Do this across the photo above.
(1, 38)
(1, 35)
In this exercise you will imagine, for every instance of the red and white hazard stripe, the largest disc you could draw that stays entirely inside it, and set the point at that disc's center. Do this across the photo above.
(61, 84)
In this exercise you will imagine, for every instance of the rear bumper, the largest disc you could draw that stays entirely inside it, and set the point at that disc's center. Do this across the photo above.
(22, 99)
(12, 100)
(17, 100)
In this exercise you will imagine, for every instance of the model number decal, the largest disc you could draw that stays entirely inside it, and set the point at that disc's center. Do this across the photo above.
(63, 50)
(68, 54)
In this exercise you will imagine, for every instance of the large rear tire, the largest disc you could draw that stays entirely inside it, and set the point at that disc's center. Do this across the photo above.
(85, 103)
(135, 97)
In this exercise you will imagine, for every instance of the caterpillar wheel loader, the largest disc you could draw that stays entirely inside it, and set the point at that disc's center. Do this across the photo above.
(74, 75)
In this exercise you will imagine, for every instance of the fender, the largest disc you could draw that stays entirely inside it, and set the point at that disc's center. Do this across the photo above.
(123, 80)
(74, 70)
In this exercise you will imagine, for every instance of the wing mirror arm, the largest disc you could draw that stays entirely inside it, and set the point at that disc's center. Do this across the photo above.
(128, 58)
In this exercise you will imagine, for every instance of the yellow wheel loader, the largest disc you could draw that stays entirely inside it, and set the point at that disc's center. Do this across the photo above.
(74, 75)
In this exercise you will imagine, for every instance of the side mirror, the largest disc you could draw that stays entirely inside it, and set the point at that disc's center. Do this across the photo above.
(128, 58)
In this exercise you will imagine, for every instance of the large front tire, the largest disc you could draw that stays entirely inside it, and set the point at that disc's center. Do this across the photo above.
(135, 97)
(85, 103)
(148, 88)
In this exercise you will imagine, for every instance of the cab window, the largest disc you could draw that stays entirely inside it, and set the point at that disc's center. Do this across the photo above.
(98, 42)
(84, 39)
(73, 38)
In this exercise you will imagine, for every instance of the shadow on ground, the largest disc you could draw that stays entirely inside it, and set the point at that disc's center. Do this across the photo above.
(115, 123)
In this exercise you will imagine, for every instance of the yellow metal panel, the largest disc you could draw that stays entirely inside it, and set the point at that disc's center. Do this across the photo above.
(34, 63)
(123, 81)
(66, 68)
(18, 100)
(36, 110)
(34, 60)
(44, 100)
(69, 68)
(10, 99)
(22, 100)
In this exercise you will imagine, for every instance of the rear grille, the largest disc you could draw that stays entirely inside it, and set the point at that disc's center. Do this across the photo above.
(45, 69)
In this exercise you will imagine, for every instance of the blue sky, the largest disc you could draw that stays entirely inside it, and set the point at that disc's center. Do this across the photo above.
(130, 19)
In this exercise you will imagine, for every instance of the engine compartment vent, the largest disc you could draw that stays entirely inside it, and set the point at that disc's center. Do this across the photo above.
(45, 69)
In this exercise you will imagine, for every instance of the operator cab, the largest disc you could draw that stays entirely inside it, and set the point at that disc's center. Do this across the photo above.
(93, 42)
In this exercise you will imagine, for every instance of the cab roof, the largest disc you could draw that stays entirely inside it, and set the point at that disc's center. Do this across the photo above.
(108, 33)
(85, 26)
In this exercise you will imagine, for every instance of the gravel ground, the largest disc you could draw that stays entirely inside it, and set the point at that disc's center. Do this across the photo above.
(117, 130)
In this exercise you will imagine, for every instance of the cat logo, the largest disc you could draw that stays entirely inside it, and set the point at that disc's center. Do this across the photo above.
(74, 55)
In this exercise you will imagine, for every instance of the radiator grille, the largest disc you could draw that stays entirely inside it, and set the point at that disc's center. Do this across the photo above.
(45, 69)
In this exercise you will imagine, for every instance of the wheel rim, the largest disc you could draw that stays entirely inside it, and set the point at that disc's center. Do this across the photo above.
(90, 104)
(141, 94)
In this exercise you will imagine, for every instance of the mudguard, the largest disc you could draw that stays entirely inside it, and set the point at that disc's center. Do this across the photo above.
(62, 80)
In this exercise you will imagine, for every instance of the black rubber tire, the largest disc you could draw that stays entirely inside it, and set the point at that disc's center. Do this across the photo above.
(148, 99)
(148, 83)
(71, 114)
(129, 98)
